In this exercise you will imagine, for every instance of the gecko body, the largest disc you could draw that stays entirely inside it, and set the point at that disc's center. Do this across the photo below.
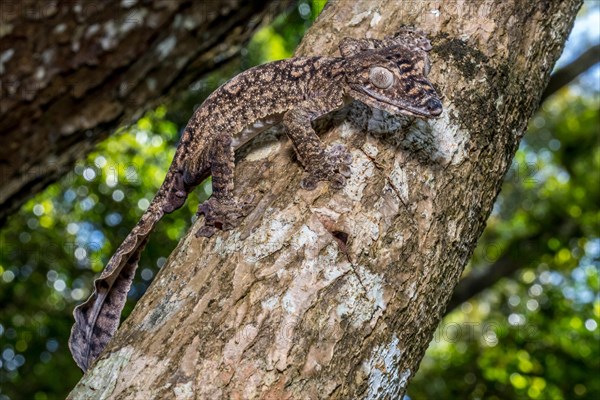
(389, 74)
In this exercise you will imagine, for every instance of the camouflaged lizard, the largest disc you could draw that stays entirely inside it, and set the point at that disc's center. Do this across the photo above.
(389, 74)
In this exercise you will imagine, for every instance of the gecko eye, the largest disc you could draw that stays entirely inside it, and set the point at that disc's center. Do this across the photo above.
(381, 77)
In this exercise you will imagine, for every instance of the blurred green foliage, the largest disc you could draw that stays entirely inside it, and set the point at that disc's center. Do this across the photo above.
(534, 335)
(55, 245)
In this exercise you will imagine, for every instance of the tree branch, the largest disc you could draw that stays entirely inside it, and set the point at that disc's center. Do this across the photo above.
(566, 75)
(480, 279)
(73, 73)
(521, 253)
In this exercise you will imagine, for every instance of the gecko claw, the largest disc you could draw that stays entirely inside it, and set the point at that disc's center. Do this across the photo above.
(309, 183)
(337, 181)
(344, 170)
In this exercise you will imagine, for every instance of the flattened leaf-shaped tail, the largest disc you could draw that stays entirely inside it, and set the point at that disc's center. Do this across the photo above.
(97, 319)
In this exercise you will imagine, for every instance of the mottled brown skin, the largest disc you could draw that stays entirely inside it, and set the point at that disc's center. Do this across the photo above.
(389, 74)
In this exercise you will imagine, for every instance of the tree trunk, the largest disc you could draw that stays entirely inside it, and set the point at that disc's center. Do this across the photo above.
(330, 294)
(72, 72)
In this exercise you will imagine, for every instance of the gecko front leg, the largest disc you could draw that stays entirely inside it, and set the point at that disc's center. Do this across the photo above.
(223, 211)
(320, 164)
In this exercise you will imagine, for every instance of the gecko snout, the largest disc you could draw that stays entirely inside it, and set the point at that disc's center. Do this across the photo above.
(434, 107)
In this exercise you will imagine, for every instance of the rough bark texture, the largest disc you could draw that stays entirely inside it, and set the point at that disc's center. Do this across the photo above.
(337, 294)
(72, 72)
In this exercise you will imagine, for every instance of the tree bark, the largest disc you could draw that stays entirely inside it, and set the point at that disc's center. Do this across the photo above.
(72, 72)
(523, 251)
(329, 294)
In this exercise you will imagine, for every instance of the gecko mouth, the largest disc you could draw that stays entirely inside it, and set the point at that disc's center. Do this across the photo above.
(432, 111)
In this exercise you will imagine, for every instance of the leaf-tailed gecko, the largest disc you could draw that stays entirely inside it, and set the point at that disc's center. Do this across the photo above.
(389, 74)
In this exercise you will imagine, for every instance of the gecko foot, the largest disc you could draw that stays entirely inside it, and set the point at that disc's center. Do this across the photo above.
(222, 214)
(176, 195)
(335, 169)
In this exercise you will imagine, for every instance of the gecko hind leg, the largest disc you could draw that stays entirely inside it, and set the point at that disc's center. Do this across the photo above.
(222, 211)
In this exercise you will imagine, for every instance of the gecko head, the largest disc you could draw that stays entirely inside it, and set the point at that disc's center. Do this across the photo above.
(393, 79)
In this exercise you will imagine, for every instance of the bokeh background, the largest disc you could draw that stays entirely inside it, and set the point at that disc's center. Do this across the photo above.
(522, 325)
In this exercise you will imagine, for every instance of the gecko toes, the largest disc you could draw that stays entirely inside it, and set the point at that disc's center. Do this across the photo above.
(176, 194)
(309, 183)
(225, 214)
(339, 155)
(341, 160)
(347, 159)
(344, 170)
(337, 181)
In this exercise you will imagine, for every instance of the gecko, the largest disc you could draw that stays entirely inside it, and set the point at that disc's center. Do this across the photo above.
(388, 74)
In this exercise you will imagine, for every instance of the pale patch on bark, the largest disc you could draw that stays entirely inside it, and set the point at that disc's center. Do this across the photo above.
(450, 140)
(129, 376)
(362, 170)
(361, 298)
(398, 180)
(187, 366)
(209, 385)
(264, 152)
(319, 268)
(375, 20)
(404, 377)
(358, 18)
(102, 382)
(184, 391)
(319, 354)
(271, 239)
(114, 374)
(382, 370)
